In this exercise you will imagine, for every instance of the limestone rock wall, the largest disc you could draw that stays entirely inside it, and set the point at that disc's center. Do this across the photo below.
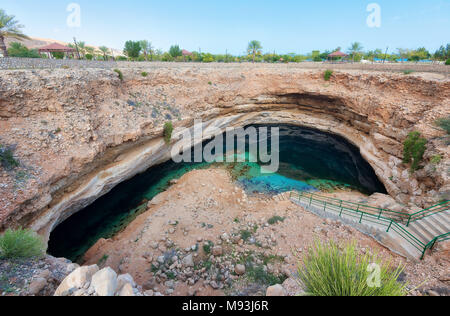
(78, 133)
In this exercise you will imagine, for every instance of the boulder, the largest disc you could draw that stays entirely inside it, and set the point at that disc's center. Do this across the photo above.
(126, 290)
(239, 269)
(37, 285)
(276, 290)
(104, 282)
(188, 261)
(76, 279)
(125, 279)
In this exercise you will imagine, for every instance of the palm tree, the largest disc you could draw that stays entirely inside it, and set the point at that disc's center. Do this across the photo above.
(9, 27)
(254, 47)
(105, 51)
(82, 48)
(147, 49)
(354, 49)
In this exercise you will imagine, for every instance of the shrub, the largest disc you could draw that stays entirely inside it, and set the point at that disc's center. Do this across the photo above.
(7, 159)
(119, 73)
(207, 247)
(447, 62)
(444, 123)
(21, 243)
(413, 150)
(144, 74)
(19, 50)
(89, 56)
(435, 160)
(168, 130)
(408, 72)
(330, 271)
(274, 220)
(327, 75)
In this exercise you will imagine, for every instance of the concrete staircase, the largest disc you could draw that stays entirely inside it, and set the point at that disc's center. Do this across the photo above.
(426, 229)
(412, 241)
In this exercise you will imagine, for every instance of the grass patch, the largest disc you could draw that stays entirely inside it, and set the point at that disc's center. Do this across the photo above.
(245, 234)
(331, 270)
(259, 275)
(21, 243)
(408, 72)
(444, 123)
(119, 73)
(276, 219)
(413, 150)
(435, 160)
(327, 75)
(207, 247)
(168, 130)
(7, 159)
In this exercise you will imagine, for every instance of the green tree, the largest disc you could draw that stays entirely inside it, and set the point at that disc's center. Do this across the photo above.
(355, 49)
(20, 50)
(254, 48)
(132, 49)
(147, 49)
(9, 27)
(175, 51)
(105, 51)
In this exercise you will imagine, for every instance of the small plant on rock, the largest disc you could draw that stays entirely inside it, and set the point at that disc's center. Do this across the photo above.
(327, 75)
(414, 149)
(444, 123)
(276, 219)
(21, 243)
(119, 73)
(7, 159)
(168, 130)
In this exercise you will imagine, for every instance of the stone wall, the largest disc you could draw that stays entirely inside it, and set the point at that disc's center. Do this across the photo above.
(41, 63)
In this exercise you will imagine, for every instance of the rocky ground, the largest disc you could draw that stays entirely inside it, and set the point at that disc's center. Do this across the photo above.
(36, 277)
(205, 236)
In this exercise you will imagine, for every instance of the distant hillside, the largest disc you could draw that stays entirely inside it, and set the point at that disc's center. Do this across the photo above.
(35, 42)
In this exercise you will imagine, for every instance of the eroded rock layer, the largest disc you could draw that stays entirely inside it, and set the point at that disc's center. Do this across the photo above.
(78, 133)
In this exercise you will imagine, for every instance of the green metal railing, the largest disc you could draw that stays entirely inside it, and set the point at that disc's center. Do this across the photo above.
(383, 217)
(442, 207)
(432, 243)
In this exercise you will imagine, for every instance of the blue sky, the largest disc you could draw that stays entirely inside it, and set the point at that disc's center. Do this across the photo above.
(283, 26)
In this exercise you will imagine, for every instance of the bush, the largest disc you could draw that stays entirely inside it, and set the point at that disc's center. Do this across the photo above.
(447, 62)
(144, 74)
(21, 243)
(413, 150)
(274, 220)
(327, 75)
(7, 159)
(119, 73)
(20, 50)
(330, 271)
(168, 130)
(444, 123)
(89, 56)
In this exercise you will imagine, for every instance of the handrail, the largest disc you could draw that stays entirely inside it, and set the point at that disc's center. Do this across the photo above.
(377, 210)
(380, 219)
(441, 207)
(431, 244)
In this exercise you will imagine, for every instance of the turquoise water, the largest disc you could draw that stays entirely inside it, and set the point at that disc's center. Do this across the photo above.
(309, 160)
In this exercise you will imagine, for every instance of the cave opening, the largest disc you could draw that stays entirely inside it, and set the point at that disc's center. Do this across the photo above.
(309, 160)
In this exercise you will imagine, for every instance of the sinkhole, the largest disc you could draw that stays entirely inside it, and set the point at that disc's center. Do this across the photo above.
(309, 160)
